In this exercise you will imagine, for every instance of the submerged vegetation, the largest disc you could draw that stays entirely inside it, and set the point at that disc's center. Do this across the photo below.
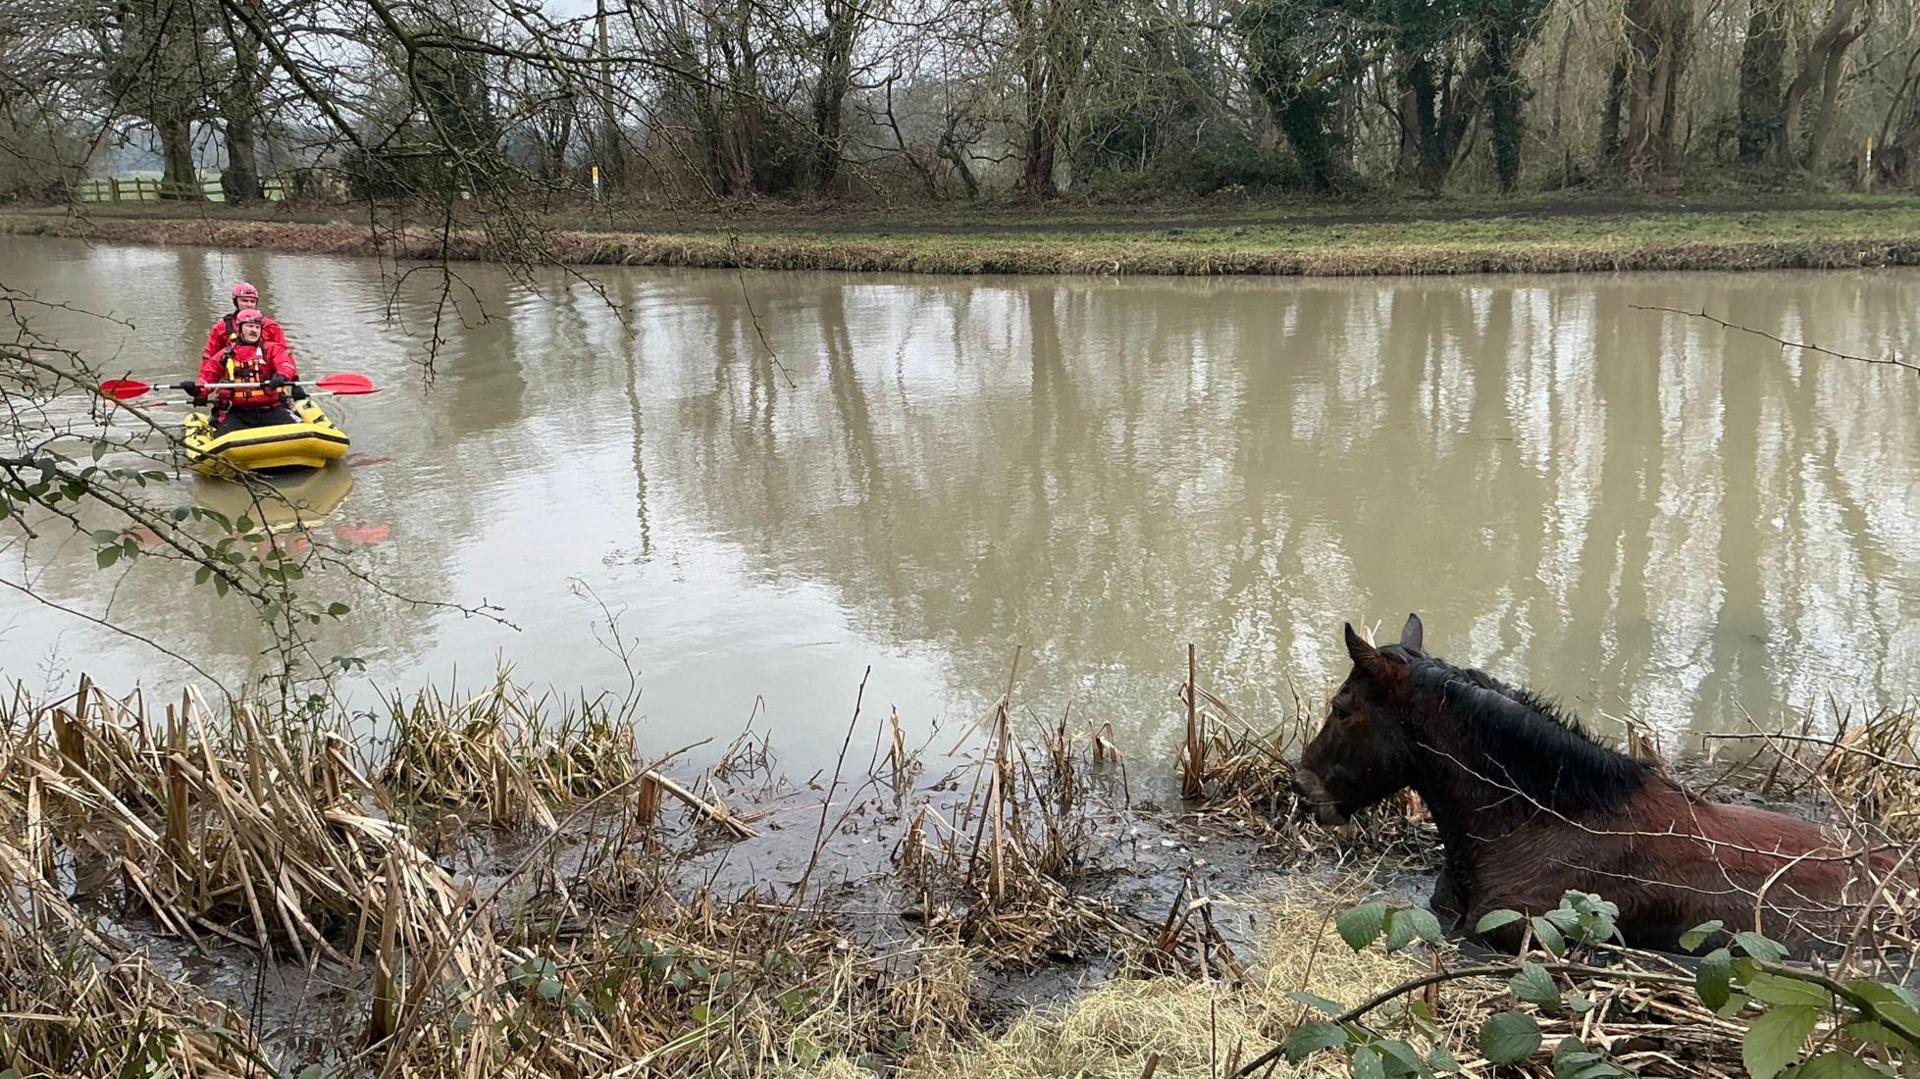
(499, 885)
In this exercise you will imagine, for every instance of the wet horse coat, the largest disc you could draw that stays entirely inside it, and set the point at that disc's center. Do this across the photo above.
(1529, 806)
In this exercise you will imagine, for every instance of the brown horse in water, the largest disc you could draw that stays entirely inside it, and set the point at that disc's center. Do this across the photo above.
(1529, 806)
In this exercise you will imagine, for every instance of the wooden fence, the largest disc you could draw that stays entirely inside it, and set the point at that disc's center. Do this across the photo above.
(151, 190)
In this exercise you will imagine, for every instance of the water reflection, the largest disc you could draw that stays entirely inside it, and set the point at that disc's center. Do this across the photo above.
(775, 485)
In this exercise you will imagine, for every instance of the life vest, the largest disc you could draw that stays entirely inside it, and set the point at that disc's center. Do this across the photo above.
(248, 370)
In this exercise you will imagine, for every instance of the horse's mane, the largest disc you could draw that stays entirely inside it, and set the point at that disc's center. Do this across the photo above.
(1526, 742)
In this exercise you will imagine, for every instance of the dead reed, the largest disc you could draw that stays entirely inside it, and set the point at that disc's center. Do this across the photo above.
(506, 756)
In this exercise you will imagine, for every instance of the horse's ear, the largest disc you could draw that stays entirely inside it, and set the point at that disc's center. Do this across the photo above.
(1411, 634)
(1365, 656)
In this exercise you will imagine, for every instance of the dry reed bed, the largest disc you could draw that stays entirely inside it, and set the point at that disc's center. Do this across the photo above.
(237, 833)
(243, 834)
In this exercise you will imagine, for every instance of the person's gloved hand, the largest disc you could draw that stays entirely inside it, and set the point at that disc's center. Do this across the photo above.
(189, 386)
(277, 380)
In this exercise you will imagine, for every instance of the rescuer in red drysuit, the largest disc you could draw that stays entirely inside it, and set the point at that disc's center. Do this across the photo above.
(253, 359)
(244, 296)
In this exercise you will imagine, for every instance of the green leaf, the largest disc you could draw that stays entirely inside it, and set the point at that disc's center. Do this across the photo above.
(1535, 986)
(1692, 939)
(1317, 1002)
(1361, 926)
(1509, 1037)
(549, 989)
(338, 610)
(1548, 935)
(1399, 1056)
(1424, 924)
(1574, 1059)
(1441, 1059)
(107, 556)
(1714, 980)
(1894, 1003)
(1495, 919)
(1309, 1038)
(1775, 1039)
(1759, 947)
(1367, 1064)
(1836, 1065)
(1399, 930)
(1868, 1032)
(1566, 921)
(1775, 989)
(1602, 928)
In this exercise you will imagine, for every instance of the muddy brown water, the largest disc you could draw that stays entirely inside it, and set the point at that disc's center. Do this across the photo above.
(1637, 513)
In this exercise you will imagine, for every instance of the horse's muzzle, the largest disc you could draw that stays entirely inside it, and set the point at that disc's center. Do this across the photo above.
(1313, 795)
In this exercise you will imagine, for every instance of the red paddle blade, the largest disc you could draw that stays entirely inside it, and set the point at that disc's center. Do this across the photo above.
(347, 384)
(123, 389)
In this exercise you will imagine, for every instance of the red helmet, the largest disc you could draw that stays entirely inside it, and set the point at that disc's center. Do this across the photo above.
(244, 291)
(249, 314)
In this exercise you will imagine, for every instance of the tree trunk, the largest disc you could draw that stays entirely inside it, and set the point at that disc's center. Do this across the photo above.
(1612, 144)
(1506, 92)
(1407, 164)
(176, 151)
(1824, 64)
(240, 113)
(1304, 117)
(1762, 70)
(240, 181)
(830, 90)
(1834, 70)
(1043, 125)
(609, 149)
(1560, 83)
(1650, 73)
(955, 154)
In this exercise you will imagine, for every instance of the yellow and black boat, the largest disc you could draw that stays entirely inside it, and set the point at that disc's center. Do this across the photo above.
(309, 442)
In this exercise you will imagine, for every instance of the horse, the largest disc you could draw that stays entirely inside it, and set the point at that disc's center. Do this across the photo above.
(1529, 806)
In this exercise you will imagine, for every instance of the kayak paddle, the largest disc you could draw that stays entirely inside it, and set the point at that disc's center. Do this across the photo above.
(345, 384)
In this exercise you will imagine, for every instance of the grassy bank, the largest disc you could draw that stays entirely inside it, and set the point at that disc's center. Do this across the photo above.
(1537, 235)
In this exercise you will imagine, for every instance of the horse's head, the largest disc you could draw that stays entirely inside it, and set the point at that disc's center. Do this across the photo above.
(1363, 752)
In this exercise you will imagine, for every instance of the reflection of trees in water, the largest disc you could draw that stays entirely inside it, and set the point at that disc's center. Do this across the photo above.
(484, 383)
(1617, 506)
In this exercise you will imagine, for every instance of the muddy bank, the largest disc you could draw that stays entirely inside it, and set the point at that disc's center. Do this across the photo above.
(1526, 242)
